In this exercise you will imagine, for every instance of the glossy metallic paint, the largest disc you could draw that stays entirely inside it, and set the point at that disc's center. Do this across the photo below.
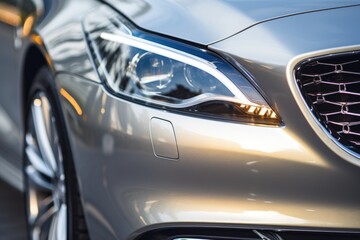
(207, 22)
(227, 174)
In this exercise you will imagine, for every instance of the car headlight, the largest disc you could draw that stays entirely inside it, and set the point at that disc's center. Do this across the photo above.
(168, 74)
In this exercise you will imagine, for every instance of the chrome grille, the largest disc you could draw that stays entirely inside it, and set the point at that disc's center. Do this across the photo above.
(331, 87)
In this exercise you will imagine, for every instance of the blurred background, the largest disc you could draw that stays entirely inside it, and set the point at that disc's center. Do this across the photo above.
(12, 218)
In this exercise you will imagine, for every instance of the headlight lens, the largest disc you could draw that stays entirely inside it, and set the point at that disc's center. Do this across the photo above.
(159, 72)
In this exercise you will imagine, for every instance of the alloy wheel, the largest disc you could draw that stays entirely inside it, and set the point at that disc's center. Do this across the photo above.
(46, 201)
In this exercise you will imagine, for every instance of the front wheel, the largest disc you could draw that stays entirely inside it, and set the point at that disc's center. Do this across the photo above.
(54, 210)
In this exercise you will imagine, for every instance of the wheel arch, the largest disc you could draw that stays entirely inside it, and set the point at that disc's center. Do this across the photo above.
(35, 57)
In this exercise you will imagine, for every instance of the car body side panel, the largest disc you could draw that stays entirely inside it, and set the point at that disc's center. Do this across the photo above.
(53, 27)
(205, 22)
(64, 39)
(227, 173)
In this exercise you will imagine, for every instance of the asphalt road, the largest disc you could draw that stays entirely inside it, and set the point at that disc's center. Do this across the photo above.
(12, 218)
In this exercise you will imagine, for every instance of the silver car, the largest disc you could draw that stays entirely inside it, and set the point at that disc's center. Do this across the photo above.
(182, 119)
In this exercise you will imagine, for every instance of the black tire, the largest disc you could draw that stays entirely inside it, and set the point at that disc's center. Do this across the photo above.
(44, 86)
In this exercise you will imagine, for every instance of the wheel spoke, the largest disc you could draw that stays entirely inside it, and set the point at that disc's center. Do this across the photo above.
(54, 227)
(42, 136)
(36, 178)
(62, 223)
(46, 212)
(37, 162)
(42, 206)
(58, 225)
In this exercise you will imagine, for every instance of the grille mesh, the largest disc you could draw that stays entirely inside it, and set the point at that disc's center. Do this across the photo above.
(331, 87)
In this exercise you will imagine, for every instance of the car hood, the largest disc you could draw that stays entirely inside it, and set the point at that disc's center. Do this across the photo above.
(206, 22)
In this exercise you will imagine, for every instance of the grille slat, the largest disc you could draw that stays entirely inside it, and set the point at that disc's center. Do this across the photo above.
(330, 86)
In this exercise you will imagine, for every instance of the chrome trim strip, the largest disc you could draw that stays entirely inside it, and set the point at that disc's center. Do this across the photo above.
(329, 140)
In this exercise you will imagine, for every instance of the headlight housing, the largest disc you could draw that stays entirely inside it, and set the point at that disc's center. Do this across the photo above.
(167, 74)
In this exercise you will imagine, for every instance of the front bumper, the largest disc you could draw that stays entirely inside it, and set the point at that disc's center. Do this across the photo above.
(227, 174)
